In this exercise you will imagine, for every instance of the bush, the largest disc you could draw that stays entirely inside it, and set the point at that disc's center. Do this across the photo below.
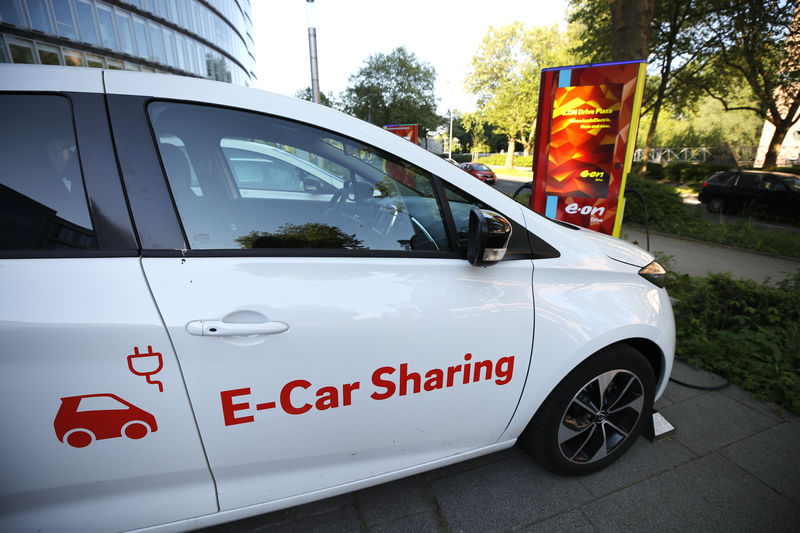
(698, 173)
(664, 204)
(655, 171)
(672, 171)
(744, 329)
(500, 160)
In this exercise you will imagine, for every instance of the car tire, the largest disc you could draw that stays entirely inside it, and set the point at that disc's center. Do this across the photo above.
(594, 414)
(135, 430)
(716, 205)
(79, 438)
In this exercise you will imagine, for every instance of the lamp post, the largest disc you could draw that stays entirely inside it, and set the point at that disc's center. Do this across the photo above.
(450, 144)
(312, 50)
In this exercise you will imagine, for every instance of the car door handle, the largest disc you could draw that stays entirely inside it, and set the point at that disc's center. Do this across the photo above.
(218, 328)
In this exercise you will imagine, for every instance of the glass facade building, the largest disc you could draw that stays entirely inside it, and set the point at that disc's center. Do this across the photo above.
(203, 38)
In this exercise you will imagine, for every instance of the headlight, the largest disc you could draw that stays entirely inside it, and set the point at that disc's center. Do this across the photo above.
(654, 273)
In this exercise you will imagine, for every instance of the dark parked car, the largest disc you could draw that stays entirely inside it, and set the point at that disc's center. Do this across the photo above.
(480, 171)
(771, 193)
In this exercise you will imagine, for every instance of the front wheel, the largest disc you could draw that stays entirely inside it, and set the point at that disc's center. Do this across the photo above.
(595, 414)
(716, 205)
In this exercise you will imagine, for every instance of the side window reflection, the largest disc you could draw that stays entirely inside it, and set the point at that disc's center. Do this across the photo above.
(42, 197)
(247, 181)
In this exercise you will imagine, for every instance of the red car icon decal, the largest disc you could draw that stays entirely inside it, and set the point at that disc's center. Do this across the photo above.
(83, 419)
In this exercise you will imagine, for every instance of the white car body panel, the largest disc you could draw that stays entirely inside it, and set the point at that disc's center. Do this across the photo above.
(347, 318)
(68, 333)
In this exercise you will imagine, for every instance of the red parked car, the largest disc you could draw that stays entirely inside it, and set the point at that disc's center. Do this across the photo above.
(480, 171)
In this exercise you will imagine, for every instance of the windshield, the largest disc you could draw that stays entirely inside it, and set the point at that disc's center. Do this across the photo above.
(480, 166)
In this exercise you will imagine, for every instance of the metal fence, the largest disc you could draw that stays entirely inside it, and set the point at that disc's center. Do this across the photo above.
(742, 154)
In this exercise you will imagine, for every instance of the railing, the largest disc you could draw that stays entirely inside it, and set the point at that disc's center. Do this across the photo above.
(742, 154)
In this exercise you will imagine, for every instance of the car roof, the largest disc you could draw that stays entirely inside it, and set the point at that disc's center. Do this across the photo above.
(770, 173)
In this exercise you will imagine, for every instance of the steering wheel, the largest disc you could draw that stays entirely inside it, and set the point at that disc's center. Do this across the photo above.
(337, 201)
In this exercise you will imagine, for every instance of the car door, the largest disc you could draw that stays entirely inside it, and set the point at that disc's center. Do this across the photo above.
(326, 334)
(778, 200)
(98, 433)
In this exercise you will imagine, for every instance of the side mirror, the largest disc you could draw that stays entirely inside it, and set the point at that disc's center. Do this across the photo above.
(312, 185)
(488, 237)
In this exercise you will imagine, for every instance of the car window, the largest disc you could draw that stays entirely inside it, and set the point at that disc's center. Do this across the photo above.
(792, 182)
(247, 181)
(100, 403)
(769, 183)
(749, 181)
(42, 196)
(723, 178)
(461, 204)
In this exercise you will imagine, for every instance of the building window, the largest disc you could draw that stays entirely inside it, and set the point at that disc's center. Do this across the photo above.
(40, 17)
(49, 55)
(140, 27)
(169, 42)
(94, 61)
(65, 19)
(73, 58)
(21, 51)
(105, 18)
(86, 22)
(125, 33)
(12, 12)
(157, 41)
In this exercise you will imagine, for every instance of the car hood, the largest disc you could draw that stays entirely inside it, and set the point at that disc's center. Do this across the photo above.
(618, 249)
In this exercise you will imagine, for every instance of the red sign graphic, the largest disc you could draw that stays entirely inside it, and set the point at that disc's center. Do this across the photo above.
(300, 396)
(149, 364)
(84, 419)
(409, 132)
(582, 135)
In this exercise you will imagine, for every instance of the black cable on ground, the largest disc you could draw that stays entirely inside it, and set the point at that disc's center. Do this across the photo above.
(727, 377)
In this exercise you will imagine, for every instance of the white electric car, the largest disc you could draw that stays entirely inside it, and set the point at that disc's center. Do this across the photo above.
(219, 302)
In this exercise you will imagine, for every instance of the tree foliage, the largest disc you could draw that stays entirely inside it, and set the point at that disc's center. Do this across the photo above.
(753, 43)
(670, 46)
(324, 99)
(396, 88)
(714, 48)
(505, 77)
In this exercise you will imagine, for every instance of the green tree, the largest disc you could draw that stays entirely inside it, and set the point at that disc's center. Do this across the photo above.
(670, 45)
(505, 77)
(396, 88)
(754, 43)
(324, 99)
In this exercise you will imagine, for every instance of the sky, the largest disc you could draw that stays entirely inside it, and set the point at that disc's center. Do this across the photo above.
(443, 33)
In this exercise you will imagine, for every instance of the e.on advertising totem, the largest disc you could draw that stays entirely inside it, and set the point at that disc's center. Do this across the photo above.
(585, 136)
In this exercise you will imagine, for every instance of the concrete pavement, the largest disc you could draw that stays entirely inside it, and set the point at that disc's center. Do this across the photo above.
(732, 465)
(698, 258)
